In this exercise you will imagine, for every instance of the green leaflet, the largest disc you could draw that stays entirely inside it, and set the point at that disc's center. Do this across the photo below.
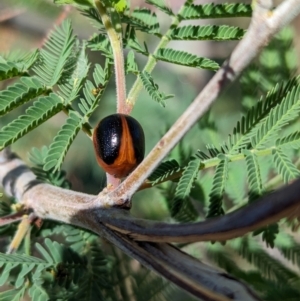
(38, 293)
(58, 149)
(57, 178)
(19, 93)
(186, 59)
(63, 140)
(270, 267)
(247, 127)
(289, 248)
(161, 5)
(152, 88)
(101, 43)
(130, 64)
(143, 19)
(23, 60)
(79, 240)
(290, 141)
(280, 116)
(254, 176)
(39, 112)
(207, 32)
(212, 10)
(16, 64)
(57, 54)
(269, 234)
(133, 43)
(182, 208)
(164, 170)
(27, 264)
(284, 166)
(236, 183)
(218, 187)
(70, 88)
(9, 70)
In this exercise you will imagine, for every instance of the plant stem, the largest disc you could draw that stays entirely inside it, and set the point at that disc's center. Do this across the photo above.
(117, 47)
(137, 86)
(210, 163)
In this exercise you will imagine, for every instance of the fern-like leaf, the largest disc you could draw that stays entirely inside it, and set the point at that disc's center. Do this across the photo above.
(211, 10)
(246, 128)
(10, 70)
(38, 293)
(161, 5)
(269, 266)
(218, 188)
(254, 176)
(144, 20)
(63, 140)
(101, 43)
(186, 59)
(70, 88)
(290, 141)
(280, 116)
(23, 60)
(182, 208)
(130, 63)
(16, 64)
(152, 88)
(164, 170)
(21, 92)
(57, 178)
(40, 111)
(208, 32)
(27, 264)
(284, 166)
(96, 282)
(56, 54)
(290, 249)
(133, 42)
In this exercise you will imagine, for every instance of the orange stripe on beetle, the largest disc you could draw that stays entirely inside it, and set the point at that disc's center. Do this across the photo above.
(119, 144)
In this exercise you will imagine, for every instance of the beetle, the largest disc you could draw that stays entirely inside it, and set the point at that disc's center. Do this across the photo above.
(119, 144)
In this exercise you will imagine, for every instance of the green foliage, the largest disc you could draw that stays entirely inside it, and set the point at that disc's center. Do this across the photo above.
(64, 138)
(160, 4)
(254, 176)
(182, 208)
(57, 58)
(144, 20)
(152, 88)
(207, 32)
(41, 110)
(285, 166)
(280, 116)
(19, 93)
(57, 178)
(163, 171)
(186, 59)
(218, 188)
(261, 149)
(16, 64)
(211, 10)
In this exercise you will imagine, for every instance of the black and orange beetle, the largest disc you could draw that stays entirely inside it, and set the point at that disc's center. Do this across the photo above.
(119, 144)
